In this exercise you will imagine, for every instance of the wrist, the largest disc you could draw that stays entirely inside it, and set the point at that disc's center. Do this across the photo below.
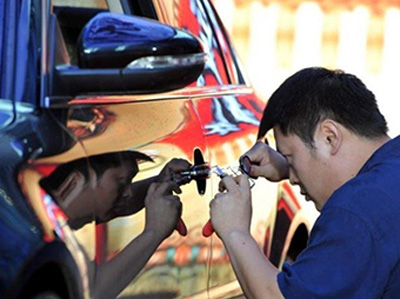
(154, 234)
(234, 235)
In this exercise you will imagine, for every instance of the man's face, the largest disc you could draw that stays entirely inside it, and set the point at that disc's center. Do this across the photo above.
(113, 187)
(307, 167)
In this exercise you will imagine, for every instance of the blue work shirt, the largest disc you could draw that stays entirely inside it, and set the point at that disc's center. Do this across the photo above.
(354, 246)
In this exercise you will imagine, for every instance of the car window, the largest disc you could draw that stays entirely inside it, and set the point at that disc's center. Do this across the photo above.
(192, 16)
(2, 20)
(72, 16)
(230, 56)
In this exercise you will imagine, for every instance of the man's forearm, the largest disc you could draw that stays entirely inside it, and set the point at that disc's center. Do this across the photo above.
(256, 275)
(113, 276)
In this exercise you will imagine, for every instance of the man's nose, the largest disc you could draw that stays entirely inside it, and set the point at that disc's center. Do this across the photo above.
(127, 191)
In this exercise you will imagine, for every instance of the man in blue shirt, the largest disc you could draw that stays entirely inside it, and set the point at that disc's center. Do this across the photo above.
(331, 141)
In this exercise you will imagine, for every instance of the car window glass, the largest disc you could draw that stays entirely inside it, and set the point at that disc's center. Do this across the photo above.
(191, 15)
(2, 20)
(231, 59)
(72, 16)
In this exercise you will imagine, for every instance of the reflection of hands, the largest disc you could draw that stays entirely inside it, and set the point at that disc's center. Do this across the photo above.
(162, 209)
(267, 163)
(171, 173)
(232, 210)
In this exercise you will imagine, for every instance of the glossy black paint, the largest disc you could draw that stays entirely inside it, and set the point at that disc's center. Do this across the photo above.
(113, 41)
(31, 135)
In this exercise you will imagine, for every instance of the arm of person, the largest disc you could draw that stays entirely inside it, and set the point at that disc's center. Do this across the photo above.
(256, 275)
(162, 212)
(267, 163)
(231, 216)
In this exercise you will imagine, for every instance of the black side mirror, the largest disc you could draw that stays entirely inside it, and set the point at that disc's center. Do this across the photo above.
(119, 53)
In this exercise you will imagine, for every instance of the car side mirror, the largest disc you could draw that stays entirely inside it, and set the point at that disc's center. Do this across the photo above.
(120, 53)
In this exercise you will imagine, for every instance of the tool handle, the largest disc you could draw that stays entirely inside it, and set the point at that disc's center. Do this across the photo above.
(208, 229)
(181, 227)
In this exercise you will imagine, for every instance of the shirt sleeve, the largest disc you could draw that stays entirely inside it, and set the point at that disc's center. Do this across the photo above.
(339, 262)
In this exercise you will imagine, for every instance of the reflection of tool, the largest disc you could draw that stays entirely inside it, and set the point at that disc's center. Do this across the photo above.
(197, 172)
(181, 227)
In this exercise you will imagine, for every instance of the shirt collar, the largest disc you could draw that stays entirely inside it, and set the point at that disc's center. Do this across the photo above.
(388, 150)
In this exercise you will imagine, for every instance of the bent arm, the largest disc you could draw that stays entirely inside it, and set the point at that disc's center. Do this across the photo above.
(112, 277)
(162, 212)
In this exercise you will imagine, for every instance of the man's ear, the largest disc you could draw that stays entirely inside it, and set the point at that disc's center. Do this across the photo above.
(332, 135)
(72, 183)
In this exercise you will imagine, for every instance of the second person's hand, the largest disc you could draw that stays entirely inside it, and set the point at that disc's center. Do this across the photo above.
(163, 209)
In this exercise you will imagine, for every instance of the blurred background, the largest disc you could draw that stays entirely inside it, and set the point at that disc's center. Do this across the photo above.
(275, 38)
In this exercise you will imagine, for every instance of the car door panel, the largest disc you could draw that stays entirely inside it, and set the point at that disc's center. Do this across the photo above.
(162, 129)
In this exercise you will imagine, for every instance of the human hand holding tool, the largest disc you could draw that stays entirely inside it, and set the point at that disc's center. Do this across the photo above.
(163, 210)
(199, 173)
(264, 161)
(173, 172)
(244, 167)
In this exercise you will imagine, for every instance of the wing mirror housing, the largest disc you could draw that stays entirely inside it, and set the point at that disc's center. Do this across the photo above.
(129, 54)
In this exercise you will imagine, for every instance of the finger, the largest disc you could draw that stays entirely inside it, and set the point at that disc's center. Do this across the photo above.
(216, 197)
(163, 189)
(244, 184)
(176, 188)
(174, 200)
(230, 183)
(152, 188)
(256, 153)
(177, 165)
(257, 171)
(221, 186)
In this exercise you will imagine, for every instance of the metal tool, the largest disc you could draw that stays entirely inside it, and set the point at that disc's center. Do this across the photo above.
(201, 172)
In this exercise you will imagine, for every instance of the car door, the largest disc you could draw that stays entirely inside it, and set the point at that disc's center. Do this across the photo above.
(155, 124)
(229, 112)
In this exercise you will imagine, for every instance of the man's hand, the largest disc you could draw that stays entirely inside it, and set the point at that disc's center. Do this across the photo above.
(171, 173)
(162, 209)
(232, 210)
(266, 162)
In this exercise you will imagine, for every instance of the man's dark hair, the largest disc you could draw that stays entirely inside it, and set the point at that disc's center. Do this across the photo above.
(99, 163)
(314, 94)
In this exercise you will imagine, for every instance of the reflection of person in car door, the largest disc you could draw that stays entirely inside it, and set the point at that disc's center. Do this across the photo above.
(103, 191)
(332, 141)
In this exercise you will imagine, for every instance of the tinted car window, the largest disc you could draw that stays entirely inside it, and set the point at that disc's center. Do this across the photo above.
(2, 20)
(192, 16)
(72, 16)
(231, 59)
